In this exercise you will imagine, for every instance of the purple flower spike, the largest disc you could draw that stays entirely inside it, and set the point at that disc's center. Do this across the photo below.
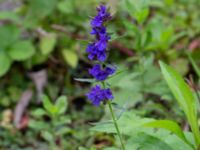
(97, 50)
(97, 95)
(101, 74)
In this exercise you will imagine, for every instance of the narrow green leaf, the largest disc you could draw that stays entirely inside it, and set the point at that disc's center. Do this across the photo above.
(184, 96)
(85, 80)
(194, 65)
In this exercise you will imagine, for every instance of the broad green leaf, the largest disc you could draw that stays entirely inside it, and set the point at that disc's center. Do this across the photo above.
(63, 120)
(169, 125)
(47, 43)
(61, 104)
(21, 50)
(39, 9)
(5, 63)
(178, 144)
(38, 125)
(8, 15)
(66, 6)
(9, 34)
(70, 57)
(184, 96)
(128, 123)
(139, 10)
(162, 36)
(47, 136)
(144, 141)
(39, 112)
(44, 8)
(63, 131)
(133, 126)
(142, 15)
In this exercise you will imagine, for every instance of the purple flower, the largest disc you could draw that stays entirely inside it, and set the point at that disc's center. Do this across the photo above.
(101, 74)
(102, 12)
(97, 95)
(102, 43)
(96, 22)
(94, 52)
(101, 17)
(97, 50)
(98, 31)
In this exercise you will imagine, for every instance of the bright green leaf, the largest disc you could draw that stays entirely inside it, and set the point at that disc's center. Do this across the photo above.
(184, 96)
(8, 15)
(61, 104)
(70, 57)
(21, 50)
(48, 105)
(47, 43)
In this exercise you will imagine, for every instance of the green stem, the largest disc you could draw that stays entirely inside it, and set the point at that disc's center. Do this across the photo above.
(115, 121)
(116, 125)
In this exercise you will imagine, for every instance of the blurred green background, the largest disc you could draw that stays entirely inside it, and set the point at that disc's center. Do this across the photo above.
(42, 51)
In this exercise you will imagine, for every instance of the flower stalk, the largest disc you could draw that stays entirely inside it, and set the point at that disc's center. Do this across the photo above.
(97, 50)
